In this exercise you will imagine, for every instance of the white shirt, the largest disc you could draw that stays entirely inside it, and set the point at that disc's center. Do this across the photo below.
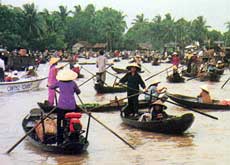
(101, 63)
(2, 64)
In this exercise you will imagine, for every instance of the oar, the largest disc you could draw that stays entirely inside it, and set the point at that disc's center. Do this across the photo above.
(225, 83)
(145, 68)
(191, 109)
(194, 110)
(193, 78)
(31, 130)
(97, 120)
(158, 73)
(87, 80)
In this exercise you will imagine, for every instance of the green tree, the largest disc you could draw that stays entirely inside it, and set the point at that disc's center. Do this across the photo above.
(32, 25)
(110, 26)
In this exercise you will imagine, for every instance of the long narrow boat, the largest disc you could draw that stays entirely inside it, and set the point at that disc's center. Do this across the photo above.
(87, 63)
(171, 79)
(97, 107)
(214, 77)
(170, 125)
(109, 89)
(193, 102)
(19, 86)
(51, 146)
(120, 70)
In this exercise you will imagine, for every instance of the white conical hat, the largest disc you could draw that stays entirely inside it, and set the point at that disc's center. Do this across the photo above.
(66, 75)
(205, 88)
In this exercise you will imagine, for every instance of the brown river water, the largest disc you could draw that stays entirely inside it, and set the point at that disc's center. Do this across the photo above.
(206, 142)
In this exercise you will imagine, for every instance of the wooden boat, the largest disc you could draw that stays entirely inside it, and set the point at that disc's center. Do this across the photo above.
(80, 76)
(120, 70)
(220, 71)
(116, 60)
(214, 77)
(20, 85)
(87, 63)
(109, 89)
(170, 125)
(155, 63)
(192, 102)
(97, 107)
(172, 79)
(50, 145)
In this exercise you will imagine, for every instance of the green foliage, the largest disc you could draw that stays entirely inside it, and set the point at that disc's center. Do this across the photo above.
(37, 30)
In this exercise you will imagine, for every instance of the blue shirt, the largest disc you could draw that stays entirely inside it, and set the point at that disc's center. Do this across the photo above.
(152, 90)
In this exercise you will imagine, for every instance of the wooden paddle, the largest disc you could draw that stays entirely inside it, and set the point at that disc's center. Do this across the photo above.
(31, 130)
(225, 83)
(191, 109)
(93, 75)
(158, 73)
(110, 130)
(145, 68)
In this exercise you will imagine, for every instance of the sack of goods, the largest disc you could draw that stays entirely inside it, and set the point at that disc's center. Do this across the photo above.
(50, 128)
(116, 102)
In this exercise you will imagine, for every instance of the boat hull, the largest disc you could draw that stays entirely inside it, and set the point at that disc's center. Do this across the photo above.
(66, 148)
(109, 89)
(20, 86)
(192, 102)
(172, 125)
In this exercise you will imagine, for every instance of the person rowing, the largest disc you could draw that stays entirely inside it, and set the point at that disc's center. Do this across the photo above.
(133, 80)
(204, 96)
(66, 101)
(154, 91)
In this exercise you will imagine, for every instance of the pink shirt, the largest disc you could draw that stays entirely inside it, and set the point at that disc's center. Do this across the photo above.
(52, 75)
(176, 60)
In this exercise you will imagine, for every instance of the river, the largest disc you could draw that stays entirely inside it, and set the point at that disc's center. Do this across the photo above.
(206, 142)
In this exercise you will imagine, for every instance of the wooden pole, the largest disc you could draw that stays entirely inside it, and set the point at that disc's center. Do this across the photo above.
(110, 130)
(31, 130)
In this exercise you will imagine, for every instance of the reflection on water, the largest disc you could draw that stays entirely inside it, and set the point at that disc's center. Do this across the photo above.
(206, 142)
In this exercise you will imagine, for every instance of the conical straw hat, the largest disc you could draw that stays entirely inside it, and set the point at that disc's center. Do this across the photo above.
(66, 75)
(54, 60)
(133, 65)
(205, 88)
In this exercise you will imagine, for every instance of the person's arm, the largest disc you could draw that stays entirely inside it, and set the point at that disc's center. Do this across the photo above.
(97, 63)
(76, 89)
(3, 66)
(54, 86)
(124, 79)
(142, 83)
(162, 90)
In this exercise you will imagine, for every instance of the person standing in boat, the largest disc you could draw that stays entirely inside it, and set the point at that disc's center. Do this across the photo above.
(66, 100)
(52, 79)
(133, 80)
(204, 96)
(101, 65)
(154, 91)
(2, 70)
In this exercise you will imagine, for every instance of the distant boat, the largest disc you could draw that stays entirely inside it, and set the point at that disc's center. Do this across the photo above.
(20, 85)
(193, 102)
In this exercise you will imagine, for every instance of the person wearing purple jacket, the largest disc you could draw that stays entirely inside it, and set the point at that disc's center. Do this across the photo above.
(66, 100)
